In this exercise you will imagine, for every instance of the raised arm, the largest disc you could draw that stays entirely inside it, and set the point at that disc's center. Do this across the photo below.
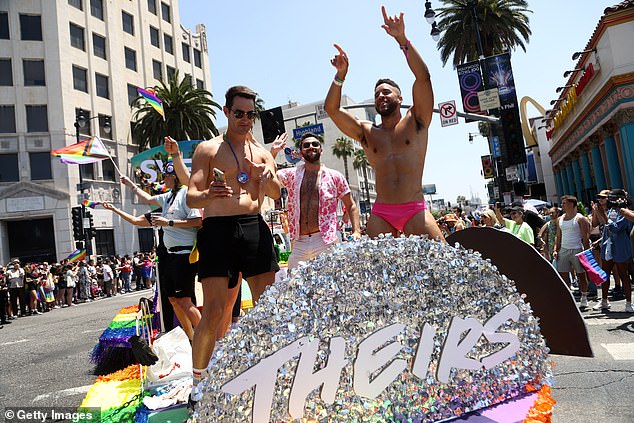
(171, 146)
(422, 92)
(346, 122)
(135, 220)
(144, 196)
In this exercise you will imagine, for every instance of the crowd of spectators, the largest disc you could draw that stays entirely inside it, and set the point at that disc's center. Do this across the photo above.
(606, 228)
(29, 289)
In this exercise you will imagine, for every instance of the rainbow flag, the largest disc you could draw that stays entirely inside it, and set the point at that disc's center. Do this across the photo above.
(154, 101)
(76, 256)
(90, 150)
(91, 204)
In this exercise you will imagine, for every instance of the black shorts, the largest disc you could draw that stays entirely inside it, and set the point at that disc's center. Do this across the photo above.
(177, 275)
(229, 245)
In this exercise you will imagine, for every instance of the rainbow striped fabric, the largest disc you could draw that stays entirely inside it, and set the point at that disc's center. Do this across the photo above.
(90, 150)
(76, 256)
(91, 204)
(154, 101)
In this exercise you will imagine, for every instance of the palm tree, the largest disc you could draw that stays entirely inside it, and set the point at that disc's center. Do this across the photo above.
(360, 161)
(189, 114)
(342, 149)
(503, 25)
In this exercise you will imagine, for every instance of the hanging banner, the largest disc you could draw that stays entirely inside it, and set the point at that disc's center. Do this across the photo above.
(470, 80)
(497, 72)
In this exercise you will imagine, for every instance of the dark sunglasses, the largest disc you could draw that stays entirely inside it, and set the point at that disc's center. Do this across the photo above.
(315, 144)
(239, 114)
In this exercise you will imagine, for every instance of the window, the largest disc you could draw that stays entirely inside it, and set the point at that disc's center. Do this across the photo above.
(40, 166)
(101, 85)
(85, 130)
(99, 46)
(80, 79)
(31, 27)
(130, 58)
(96, 8)
(77, 37)
(186, 56)
(151, 6)
(128, 22)
(132, 94)
(79, 4)
(200, 84)
(197, 59)
(146, 239)
(36, 119)
(9, 168)
(165, 12)
(4, 26)
(170, 71)
(103, 133)
(107, 169)
(104, 242)
(87, 171)
(7, 119)
(154, 37)
(157, 68)
(167, 42)
(34, 73)
(6, 73)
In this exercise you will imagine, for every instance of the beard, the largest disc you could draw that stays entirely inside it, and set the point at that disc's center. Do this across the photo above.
(386, 109)
(312, 157)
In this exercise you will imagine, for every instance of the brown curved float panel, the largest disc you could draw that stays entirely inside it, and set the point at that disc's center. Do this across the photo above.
(561, 322)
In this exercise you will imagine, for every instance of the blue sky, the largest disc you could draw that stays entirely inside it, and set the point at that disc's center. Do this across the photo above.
(282, 49)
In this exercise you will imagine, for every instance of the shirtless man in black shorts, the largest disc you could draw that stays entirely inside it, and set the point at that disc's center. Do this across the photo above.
(234, 238)
(397, 147)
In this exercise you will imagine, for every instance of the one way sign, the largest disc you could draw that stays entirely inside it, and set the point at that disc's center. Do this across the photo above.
(448, 113)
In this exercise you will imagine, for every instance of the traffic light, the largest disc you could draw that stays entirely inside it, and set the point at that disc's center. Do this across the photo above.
(91, 229)
(78, 227)
(513, 138)
(272, 121)
(487, 167)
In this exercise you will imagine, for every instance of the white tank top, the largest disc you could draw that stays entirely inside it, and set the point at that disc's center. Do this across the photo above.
(570, 233)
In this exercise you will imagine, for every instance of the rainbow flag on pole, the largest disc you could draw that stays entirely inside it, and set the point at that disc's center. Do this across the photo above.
(76, 256)
(90, 150)
(154, 101)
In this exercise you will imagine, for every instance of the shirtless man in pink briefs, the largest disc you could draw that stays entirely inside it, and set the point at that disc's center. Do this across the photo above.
(397, 147)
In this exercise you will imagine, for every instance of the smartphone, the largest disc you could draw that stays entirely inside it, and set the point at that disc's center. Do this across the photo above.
(219, 175)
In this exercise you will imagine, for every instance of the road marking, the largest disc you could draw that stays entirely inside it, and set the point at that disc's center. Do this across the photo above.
(19, 341)
(63, 393)
(622, 351)
(607, 321)
(93, 330)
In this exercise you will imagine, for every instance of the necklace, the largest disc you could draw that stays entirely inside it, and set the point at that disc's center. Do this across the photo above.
(242, 177)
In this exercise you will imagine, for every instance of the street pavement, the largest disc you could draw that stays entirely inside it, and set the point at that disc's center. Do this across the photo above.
(44, 361)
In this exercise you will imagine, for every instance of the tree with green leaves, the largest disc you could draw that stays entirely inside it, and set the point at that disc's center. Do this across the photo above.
(189, 114)
(503, 26)
(342, 149)
(360, 161)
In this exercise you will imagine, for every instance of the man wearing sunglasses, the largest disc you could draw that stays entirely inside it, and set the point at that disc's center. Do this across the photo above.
(397, 147)
(314, 191)
(230, 176)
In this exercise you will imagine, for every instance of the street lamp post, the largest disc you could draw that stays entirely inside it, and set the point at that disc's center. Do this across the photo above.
(80, 122)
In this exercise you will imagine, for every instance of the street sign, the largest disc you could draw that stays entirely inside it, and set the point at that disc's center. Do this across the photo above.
(448, 115)
(489, 99)
(320, 111)
(511, 173)
(315, 129)
(495, 147)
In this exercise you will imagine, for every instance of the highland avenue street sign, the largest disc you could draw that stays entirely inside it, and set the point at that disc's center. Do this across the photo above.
(376, 353)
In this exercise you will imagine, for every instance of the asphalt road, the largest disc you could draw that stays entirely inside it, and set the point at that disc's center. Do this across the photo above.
(44, 362)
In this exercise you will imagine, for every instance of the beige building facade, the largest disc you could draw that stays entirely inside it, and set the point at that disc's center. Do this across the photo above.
(60, 56)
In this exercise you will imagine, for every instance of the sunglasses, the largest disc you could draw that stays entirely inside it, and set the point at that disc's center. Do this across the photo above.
(315, 144)
(239, 114)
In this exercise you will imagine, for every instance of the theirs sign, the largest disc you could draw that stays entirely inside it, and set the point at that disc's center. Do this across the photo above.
(448, 115)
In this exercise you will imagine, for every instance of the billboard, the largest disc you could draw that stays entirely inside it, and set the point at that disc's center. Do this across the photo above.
(429, 189)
